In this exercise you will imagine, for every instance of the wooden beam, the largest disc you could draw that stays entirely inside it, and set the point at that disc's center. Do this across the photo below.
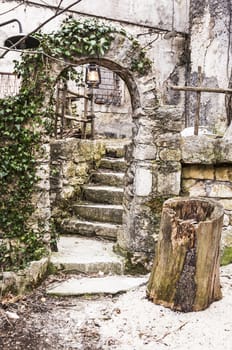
(76, 94)
(201, 89)
(198, 107)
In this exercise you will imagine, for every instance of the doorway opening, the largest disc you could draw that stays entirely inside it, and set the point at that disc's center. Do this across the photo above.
(92, 112)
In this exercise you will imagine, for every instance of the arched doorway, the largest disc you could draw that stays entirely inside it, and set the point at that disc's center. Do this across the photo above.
(142, 91)
(99, 111)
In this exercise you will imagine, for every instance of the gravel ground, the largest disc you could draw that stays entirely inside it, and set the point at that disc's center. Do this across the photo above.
(123, 322)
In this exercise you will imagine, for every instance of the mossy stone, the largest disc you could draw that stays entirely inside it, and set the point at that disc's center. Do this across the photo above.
(226, 256)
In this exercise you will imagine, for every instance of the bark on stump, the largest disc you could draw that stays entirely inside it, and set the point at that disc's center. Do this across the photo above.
(185, 273)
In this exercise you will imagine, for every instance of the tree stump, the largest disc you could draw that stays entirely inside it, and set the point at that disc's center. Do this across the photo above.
(185, 273)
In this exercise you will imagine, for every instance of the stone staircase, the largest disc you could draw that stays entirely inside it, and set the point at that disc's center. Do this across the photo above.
(86, 243)
(99, 213)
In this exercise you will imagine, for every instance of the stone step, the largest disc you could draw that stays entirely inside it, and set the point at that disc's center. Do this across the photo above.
(102, 194)
(99, 212)
(98, 285)
(90, 228)
(117, 164)
(115, 151)
(107, 177)
(84, 255)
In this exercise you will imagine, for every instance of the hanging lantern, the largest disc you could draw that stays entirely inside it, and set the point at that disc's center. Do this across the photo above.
(93, 76)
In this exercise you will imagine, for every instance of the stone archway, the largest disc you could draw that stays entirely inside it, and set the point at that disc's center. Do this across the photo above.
(154, 168)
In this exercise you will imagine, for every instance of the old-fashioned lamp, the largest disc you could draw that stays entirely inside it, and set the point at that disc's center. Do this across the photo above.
(28, 43)
(93, 76)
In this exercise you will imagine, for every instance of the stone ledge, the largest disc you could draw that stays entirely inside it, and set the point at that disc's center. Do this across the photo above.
(18, 282)
(203, 149)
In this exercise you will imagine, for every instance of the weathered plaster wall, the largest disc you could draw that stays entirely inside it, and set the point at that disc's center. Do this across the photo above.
(150, 13)
(210, 45)
(136, 18)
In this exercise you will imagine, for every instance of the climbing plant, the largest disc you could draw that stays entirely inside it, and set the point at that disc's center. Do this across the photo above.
(22, 118)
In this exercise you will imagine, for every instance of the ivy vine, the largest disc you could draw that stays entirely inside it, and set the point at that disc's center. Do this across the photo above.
(20, 139)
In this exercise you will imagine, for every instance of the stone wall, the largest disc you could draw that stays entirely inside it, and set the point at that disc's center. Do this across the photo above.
(71, 163)
(207, 172)
(153, 175)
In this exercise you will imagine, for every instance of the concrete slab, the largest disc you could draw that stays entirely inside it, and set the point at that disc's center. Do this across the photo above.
(101, 285)
(86, 255)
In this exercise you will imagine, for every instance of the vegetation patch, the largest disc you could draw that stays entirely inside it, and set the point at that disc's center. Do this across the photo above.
(226, 256)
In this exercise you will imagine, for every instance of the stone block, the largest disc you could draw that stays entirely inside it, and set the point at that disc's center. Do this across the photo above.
(198, 150)
(194, 188)
(145, 134)
(198, 172)
(168, 178)
(223, 151)
(169, 119)
(144, 152)
(43, 173)
(143, 181)
(43, 154)
(220, 190)
(226, 220)
(168, 140)
(67, 192)
(224, 173)
(18, 282)
(227, 203)
(167, 154)
(41, 199)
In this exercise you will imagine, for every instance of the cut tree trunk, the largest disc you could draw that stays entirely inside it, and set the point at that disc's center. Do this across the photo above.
(185, 274)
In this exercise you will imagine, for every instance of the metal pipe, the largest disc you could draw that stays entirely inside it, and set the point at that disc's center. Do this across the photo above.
(11, 21)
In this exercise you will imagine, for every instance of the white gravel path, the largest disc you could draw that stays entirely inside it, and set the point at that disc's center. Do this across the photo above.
(131, 322)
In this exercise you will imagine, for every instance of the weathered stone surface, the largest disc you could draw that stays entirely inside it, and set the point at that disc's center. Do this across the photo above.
(208, 22)
(227, 203)
(198, 172)
(145, 133)
(102, 285)
(113, 164)
(99, 212)
(168, 177)
(18, 282)
(108, 177)
(224, 173)
(43, 173)
(167, 154)
(144, 152)
(90, 228)
(71, 163)
(102, 194)
(198, 150)
(168, 140)
(168, 119)
(205, 150)
(143, 181)
(86, 255)
(221, 190)
(41, 199)
(207, 188)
